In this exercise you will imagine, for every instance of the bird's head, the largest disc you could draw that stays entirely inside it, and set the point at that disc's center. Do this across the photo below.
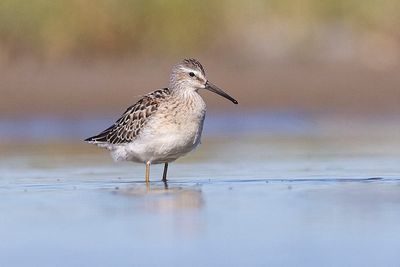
(190, 75)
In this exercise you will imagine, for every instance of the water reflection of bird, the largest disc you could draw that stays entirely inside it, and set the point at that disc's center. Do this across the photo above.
(160, 199)
(163, 125)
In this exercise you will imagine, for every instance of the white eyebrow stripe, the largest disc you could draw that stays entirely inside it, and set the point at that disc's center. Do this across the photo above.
(188, 69)
(198, 73)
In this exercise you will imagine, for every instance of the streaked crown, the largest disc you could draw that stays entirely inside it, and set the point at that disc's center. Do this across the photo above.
(193, 64)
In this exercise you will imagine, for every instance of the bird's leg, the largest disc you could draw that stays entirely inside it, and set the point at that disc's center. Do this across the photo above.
(147, 172)
(164, 177)
(165, 185)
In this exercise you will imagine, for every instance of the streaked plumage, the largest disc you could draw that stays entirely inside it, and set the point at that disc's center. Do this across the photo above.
(164, 124)
(126, 128)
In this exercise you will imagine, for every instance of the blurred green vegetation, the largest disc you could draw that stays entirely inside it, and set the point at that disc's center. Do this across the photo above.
(73, 28)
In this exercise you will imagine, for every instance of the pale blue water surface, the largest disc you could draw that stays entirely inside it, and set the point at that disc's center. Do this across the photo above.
(279, 190)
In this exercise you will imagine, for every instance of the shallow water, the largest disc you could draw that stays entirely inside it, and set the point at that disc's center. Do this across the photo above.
(302, 198)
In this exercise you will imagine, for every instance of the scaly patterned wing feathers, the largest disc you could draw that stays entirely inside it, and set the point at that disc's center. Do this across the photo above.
(126, 128)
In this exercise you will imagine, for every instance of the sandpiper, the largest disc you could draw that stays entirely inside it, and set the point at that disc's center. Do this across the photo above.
(164, 124)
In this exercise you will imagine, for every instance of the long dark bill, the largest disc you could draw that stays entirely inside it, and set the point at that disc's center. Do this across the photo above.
(211, 87)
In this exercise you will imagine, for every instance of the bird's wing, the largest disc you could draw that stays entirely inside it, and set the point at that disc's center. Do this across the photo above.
(126, 128)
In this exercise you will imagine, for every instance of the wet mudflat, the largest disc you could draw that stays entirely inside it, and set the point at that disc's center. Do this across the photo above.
(246, 200)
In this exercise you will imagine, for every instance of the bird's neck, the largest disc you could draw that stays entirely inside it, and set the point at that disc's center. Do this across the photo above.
(184, 92)
(189, 97)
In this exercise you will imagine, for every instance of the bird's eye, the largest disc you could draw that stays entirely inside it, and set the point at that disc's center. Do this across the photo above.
(191, 74)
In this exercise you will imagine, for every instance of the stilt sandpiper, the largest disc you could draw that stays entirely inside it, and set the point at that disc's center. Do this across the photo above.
(163, 125)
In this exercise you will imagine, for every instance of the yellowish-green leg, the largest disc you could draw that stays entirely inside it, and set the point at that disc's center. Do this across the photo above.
(164, 177)
(147, 172)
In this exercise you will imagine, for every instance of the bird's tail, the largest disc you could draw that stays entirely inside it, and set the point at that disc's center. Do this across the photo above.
(100, 138)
